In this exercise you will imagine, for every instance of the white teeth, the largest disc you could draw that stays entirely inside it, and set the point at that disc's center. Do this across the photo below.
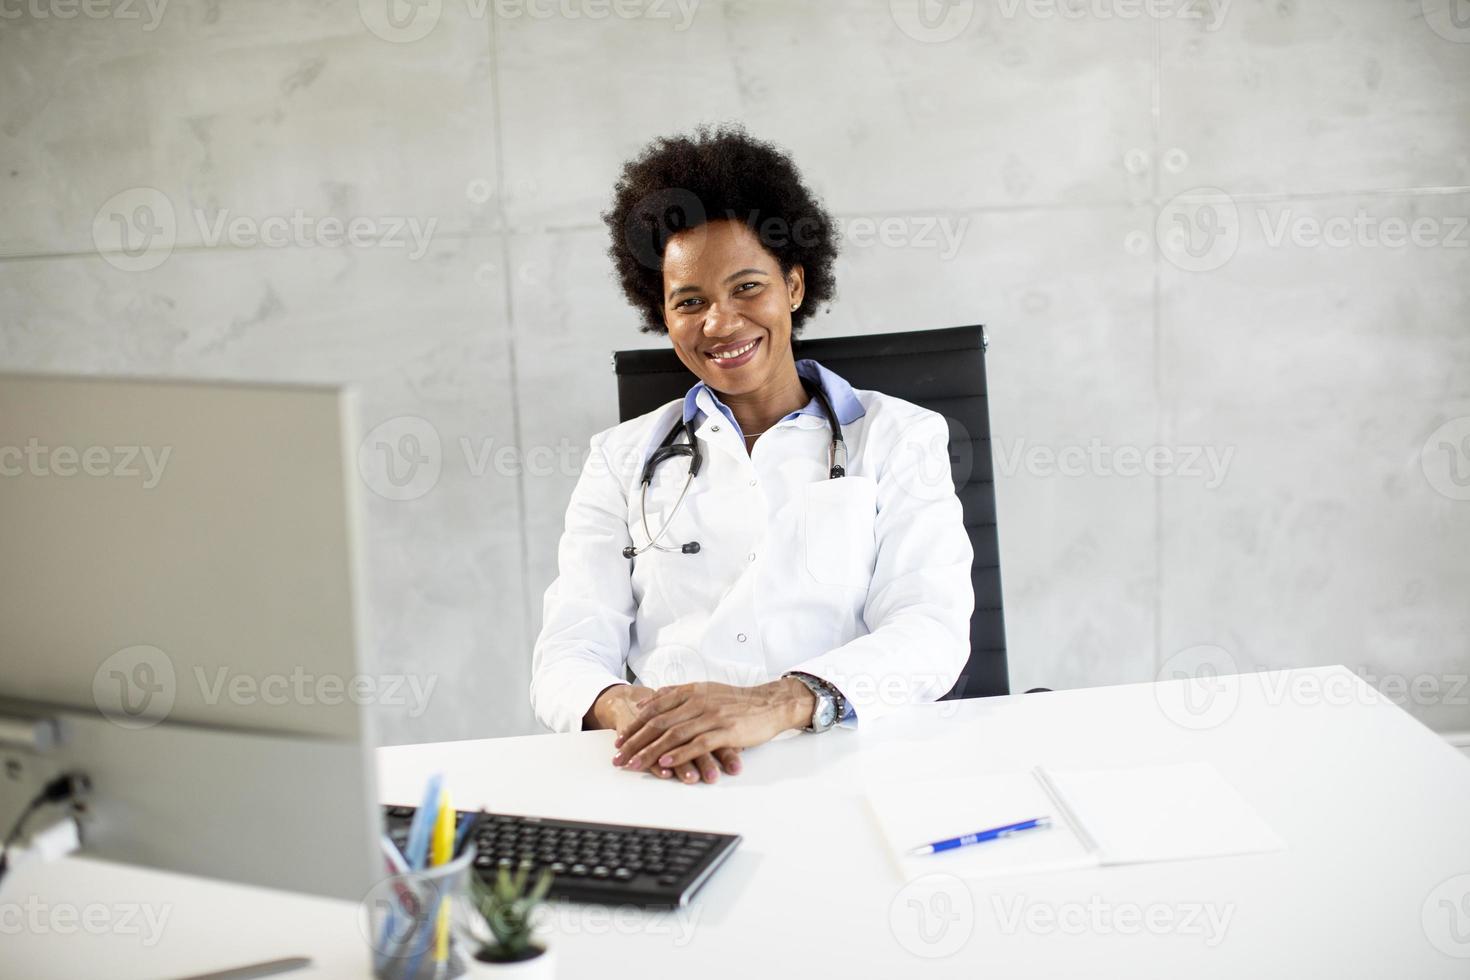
(734, 353)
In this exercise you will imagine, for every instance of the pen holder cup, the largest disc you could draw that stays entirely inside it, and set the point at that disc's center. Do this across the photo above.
(404, 916)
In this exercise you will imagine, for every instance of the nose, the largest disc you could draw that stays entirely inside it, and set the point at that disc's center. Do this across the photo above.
(721, 321)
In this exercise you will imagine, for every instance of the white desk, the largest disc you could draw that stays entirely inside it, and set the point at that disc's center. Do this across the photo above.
(1375, 809)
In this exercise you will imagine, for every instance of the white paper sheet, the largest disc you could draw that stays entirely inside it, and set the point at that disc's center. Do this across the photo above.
(1134, 815)
(916, 813)
(1163, 813)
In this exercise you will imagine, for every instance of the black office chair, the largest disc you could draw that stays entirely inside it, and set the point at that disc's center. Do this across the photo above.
(942, 370)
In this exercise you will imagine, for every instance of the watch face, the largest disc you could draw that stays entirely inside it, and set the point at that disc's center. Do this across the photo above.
(825, 714)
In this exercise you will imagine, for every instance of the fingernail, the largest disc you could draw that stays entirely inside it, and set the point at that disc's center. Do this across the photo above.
(667, 760)
(711, 776)
(663, 774)
(689, 777)
(617, 741)
(636, 764)
(734, 767)
(618, 759)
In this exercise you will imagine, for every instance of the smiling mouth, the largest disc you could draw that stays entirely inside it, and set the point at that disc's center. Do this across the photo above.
(731, 355)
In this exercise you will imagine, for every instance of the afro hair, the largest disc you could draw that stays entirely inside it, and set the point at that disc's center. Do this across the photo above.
(682, 182)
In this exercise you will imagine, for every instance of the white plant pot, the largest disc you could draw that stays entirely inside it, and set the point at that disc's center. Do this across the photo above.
(542, 967)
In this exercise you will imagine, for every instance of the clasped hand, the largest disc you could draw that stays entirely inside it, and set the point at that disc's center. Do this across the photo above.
(689, 731)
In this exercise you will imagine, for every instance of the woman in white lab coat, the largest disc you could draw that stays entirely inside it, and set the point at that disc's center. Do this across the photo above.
(783, 586)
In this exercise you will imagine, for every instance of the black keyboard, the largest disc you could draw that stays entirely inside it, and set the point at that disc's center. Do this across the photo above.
(592, 863)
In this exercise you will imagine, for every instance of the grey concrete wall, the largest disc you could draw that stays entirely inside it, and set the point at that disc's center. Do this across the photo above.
(1231, 231)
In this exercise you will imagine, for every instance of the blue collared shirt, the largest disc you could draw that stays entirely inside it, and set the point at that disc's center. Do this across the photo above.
(845, 406)
(844, 403)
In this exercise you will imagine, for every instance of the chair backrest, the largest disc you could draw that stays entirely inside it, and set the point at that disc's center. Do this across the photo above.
(942, 370)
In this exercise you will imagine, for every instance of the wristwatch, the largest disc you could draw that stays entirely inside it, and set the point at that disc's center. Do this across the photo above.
(830, 705)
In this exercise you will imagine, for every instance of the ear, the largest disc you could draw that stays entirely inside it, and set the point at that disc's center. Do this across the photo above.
(796, 284)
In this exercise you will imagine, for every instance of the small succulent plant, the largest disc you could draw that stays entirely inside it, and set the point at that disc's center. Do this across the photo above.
(507, 908)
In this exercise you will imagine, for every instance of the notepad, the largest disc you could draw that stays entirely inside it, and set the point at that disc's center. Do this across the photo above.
(1099, 817)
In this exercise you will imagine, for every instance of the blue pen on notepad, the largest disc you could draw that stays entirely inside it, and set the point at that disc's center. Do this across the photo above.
(980, 837)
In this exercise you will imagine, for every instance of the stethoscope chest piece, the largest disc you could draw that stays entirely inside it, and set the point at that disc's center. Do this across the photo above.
(671, 448)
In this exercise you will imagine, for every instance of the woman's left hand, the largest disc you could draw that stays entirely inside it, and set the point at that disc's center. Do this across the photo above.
(681, 723)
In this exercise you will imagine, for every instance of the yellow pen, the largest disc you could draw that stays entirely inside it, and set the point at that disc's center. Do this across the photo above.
(442, 852)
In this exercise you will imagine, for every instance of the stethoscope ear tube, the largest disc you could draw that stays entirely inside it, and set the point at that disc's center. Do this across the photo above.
(668, 449)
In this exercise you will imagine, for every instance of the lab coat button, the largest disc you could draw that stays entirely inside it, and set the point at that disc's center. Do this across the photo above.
(750, 557)
(740, 637)
(714, 428)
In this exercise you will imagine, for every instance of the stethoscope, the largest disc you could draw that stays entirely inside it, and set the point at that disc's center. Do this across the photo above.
(669, 448)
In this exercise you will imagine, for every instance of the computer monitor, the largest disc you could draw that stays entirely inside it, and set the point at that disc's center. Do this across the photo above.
(180, 616)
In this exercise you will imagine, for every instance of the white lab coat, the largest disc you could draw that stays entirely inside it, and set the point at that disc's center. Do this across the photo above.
(863, 581)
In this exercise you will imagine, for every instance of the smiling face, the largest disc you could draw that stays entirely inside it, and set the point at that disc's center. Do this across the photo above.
(728, 307)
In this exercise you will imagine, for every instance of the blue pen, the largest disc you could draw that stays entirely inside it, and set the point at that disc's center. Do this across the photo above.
(980, 837)
(423, 824)
(425, 920)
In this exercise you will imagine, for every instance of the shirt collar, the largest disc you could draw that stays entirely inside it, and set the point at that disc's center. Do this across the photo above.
(845, 404)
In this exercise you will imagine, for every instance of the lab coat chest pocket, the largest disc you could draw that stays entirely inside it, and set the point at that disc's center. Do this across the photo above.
(840, 542)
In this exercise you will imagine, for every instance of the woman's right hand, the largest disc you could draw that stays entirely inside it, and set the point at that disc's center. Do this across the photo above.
(615, 707)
